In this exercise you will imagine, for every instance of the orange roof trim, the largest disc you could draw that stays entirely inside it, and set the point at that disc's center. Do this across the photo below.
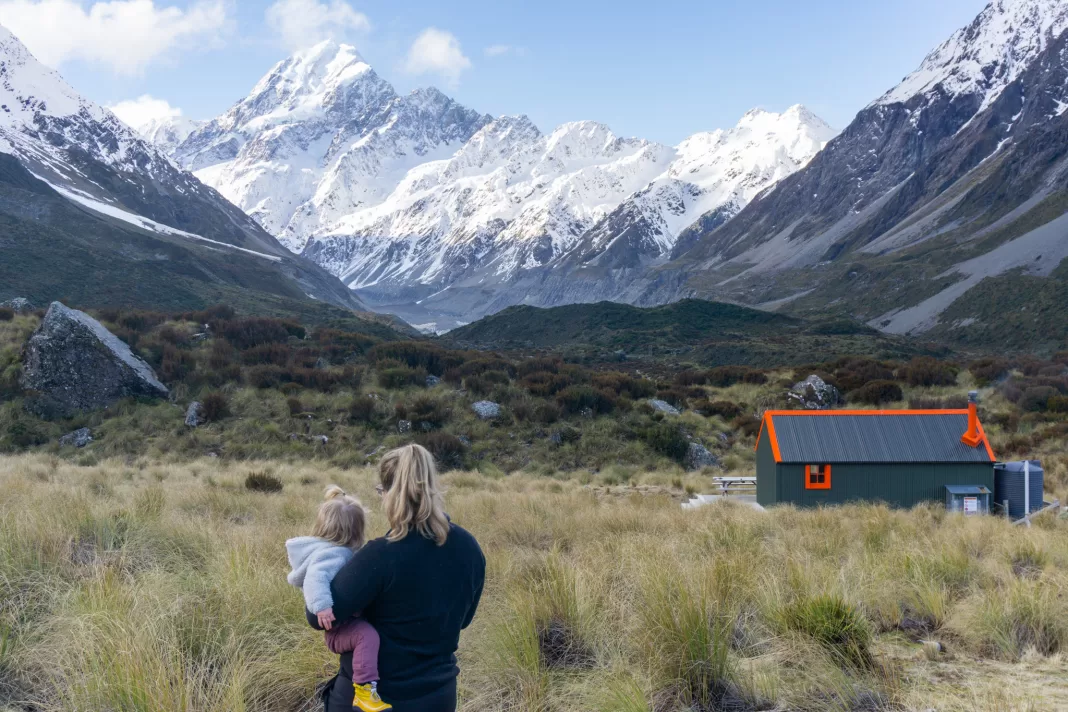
(768, 425)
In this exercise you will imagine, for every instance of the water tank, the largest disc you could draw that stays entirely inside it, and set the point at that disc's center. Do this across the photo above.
(1009, 485)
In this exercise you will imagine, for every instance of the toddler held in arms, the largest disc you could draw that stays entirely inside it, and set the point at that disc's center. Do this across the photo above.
(315, 560)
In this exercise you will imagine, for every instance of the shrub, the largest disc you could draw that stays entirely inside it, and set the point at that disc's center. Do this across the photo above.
(362, 409)
(547, 413)
(426, 409)
(746, 425)
(174, 336)
(214, 407)
(223, 354)
(623, 384)
(295, 406)
(877, 393)
(254, 331)
(544, 384)
(724, 409)
(724, 376)
(1057, 404)
(929, 371)
(835, 625)
(545, 364)
(478, 386)
(1036, 398)
(851, 374)
(277, 354)
(575, 399)
(6, 314)
(691, 378)
(263, 482)
(176, 364)
(265, 376)
(416, 355)
(988, 370)
(447, 449)
(667, 440)
(397, 375)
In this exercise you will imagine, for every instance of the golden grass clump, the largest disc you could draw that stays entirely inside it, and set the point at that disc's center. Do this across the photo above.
(143, 585)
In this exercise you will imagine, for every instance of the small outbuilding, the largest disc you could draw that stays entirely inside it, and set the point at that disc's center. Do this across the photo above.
(901, 457)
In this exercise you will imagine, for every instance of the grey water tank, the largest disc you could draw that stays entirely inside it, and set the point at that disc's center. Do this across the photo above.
(1009, 485)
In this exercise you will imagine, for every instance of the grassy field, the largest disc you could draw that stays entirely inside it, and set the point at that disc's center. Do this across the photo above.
(137, 585)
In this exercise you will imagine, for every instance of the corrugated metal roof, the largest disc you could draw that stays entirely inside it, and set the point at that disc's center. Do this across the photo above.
(967, 489)
(883, 437)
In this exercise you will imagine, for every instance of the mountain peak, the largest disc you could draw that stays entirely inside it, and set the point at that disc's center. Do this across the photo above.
(988, 54)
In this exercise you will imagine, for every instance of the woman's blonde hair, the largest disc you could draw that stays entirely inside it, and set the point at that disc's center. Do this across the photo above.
(411, 498)
(342, 520)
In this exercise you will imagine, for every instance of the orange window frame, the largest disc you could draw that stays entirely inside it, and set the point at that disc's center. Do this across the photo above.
(825, 485)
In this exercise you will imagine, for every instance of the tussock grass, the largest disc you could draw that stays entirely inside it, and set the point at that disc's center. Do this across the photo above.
(136, 584)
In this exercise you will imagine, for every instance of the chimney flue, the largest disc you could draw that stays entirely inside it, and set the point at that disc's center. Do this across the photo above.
(972, 438)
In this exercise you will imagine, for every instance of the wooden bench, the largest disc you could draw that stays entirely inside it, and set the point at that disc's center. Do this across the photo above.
(735, 485)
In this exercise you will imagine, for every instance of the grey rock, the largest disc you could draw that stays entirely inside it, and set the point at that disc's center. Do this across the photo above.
(815, 394)
(556, 438)
(404, 426)
(79, 438)
(465, 440)
(486, 410)
(194, 417)
(432, 381)
(586, 413)
(664, 407)
(321, 439)
(20, 305)
(322, 364)
(73, 364)
(426, 426)
(698, 457)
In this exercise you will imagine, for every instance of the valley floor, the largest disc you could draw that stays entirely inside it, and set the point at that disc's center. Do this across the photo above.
(130, 584)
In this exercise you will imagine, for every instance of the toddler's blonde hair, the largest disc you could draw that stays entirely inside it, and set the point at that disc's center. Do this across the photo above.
(342, 519)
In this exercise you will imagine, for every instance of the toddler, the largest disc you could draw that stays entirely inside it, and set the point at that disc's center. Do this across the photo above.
(315, 560)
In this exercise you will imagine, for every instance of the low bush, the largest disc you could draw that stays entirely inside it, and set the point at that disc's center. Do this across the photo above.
(447, 449)
(929, 371)
(877, 393)
(248, 332)
(1057, 404)
(746, 425)
(427, 409)
(851, 374)
(214, 407)
(576, 399)
(362, 409)
(723, 409)
(396, 375)
(295, 406)
(725, 376)
(6, 314)
(988, 370)
(624, 385)
(668, 440)
(1036, 398)
(263, 482)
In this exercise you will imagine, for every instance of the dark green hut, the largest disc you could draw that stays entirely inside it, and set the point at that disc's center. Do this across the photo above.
(901, 457)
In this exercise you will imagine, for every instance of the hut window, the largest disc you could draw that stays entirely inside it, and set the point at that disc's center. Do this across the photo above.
(817, 476)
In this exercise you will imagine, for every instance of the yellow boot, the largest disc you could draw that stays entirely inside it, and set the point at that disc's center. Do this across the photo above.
(367, 699)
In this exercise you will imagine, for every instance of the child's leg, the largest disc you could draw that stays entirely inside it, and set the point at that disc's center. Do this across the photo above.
(361, 639)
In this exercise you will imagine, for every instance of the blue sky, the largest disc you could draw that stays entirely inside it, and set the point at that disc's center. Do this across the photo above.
(660, 70)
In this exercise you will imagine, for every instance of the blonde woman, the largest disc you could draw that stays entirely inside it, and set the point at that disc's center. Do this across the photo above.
(419, 586)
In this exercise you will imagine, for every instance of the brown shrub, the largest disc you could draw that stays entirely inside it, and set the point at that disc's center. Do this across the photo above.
(724, 409)
(262, 482)
(362, 409)
(624, 384)
(851, 374)
(214, 407)
(747, 425)
(276, 354)
(576, 399)
(295, 406)
(988, 370)
(176, 364)
(6, 314)
(877, 393)
(447, 449)
(929, 371)
(255, 331)
(1036, 398)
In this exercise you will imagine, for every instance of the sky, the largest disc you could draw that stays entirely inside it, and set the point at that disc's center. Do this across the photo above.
(660, 70)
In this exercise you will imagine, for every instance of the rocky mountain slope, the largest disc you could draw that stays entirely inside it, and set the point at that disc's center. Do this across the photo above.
(167, 133)
(954, 176)
(75, 180)
(319, 137)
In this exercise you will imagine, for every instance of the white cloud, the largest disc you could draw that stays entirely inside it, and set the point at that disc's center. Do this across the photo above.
(437, 52)
(499, 50)
(123, 35)
(302, 23)
(138, 113)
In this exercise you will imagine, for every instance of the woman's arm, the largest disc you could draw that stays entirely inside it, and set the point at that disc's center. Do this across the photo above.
(480, 582)
(358, 582)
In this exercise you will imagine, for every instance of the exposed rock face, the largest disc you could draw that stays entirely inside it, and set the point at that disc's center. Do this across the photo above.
(74, 364)
(815, 394)
(664, 407)
(194, 416)
(486, 410)
(698, 457)
(20, 305)
(404, 426)
(79, 438)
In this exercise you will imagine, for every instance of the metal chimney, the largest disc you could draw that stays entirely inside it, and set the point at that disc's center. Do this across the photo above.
(972, 438)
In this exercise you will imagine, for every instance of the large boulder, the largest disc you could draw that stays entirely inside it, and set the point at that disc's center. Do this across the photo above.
(698, 457)
(814, 393)
(72, 364)
(79, 438)
(486, 410)
(663, 407)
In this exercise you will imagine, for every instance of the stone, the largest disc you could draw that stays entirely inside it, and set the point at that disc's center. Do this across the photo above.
(321, 439)
(322, 364)
(432, 381)
(404, 426)
(465, 440)
(556, 439)
(194, 415)
(698, 457)
(73, 364)
(19, 305)
(664, 407)
(815, 394)
(79, 438)
(586, 413)
(426, 426)
(486, 410)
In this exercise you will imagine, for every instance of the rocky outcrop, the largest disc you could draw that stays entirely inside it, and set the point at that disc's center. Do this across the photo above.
(814, 393)
(72, 364)
(79, 438)
(194, 415)
(19, 305)
(698, 457)
(663, 407)
(486, 410)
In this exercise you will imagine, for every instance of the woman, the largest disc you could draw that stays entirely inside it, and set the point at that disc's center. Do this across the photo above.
(418, 586)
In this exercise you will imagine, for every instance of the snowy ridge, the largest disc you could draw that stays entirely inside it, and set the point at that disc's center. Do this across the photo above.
(167, 133)
(320, 136)
(987, 55)
(514, 199)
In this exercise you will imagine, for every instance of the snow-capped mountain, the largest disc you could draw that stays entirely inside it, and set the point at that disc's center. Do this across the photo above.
(514, 199)
(57, 145)
(319, 137)
(168, 132)
(915, 216)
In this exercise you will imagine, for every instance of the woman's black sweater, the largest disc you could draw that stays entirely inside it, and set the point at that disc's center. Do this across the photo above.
(418, 596)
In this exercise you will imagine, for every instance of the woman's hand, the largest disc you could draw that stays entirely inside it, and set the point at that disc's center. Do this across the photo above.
(326, 618)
